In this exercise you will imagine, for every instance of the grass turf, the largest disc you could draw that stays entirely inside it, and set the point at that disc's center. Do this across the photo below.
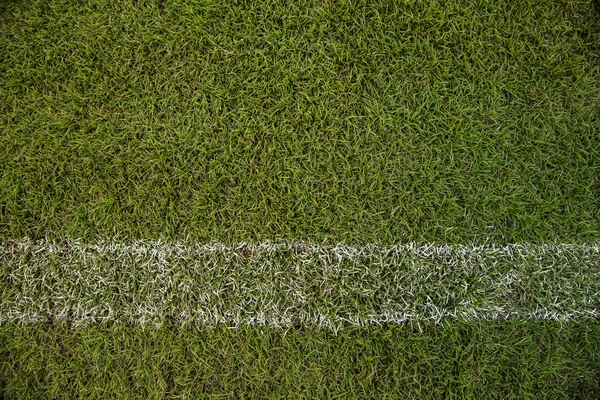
(359, 122)
(486, 360)
(379, 122)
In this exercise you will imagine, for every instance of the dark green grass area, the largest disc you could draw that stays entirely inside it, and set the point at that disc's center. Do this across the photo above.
(351, 121)
(490, 360)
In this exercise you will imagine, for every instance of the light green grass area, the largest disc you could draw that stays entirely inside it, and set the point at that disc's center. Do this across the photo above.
(361, 122)
(365, 123)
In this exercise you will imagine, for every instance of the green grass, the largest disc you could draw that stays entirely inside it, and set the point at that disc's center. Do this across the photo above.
(377, 122)
(349, 121)
(490, 360)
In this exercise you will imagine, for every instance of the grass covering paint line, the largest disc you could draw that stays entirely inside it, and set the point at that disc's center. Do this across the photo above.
(294, 283)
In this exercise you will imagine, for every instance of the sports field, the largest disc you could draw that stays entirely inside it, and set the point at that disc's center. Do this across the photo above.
(315, 199)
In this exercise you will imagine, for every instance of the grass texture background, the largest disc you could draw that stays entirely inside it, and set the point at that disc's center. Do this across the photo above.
(378, 122)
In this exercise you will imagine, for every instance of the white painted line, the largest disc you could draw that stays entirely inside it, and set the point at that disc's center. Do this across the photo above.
(286, 283)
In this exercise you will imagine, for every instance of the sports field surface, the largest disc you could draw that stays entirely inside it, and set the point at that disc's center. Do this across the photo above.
(299, 199)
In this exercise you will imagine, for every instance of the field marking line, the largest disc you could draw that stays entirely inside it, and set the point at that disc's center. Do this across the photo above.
(286, 283)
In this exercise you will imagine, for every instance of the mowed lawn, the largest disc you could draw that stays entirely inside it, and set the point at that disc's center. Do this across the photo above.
(358, 123)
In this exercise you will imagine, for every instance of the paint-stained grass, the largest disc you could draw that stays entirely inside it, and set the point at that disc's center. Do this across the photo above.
(287, 284)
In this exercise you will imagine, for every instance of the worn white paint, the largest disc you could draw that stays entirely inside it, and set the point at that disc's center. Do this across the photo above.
(285, 283)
